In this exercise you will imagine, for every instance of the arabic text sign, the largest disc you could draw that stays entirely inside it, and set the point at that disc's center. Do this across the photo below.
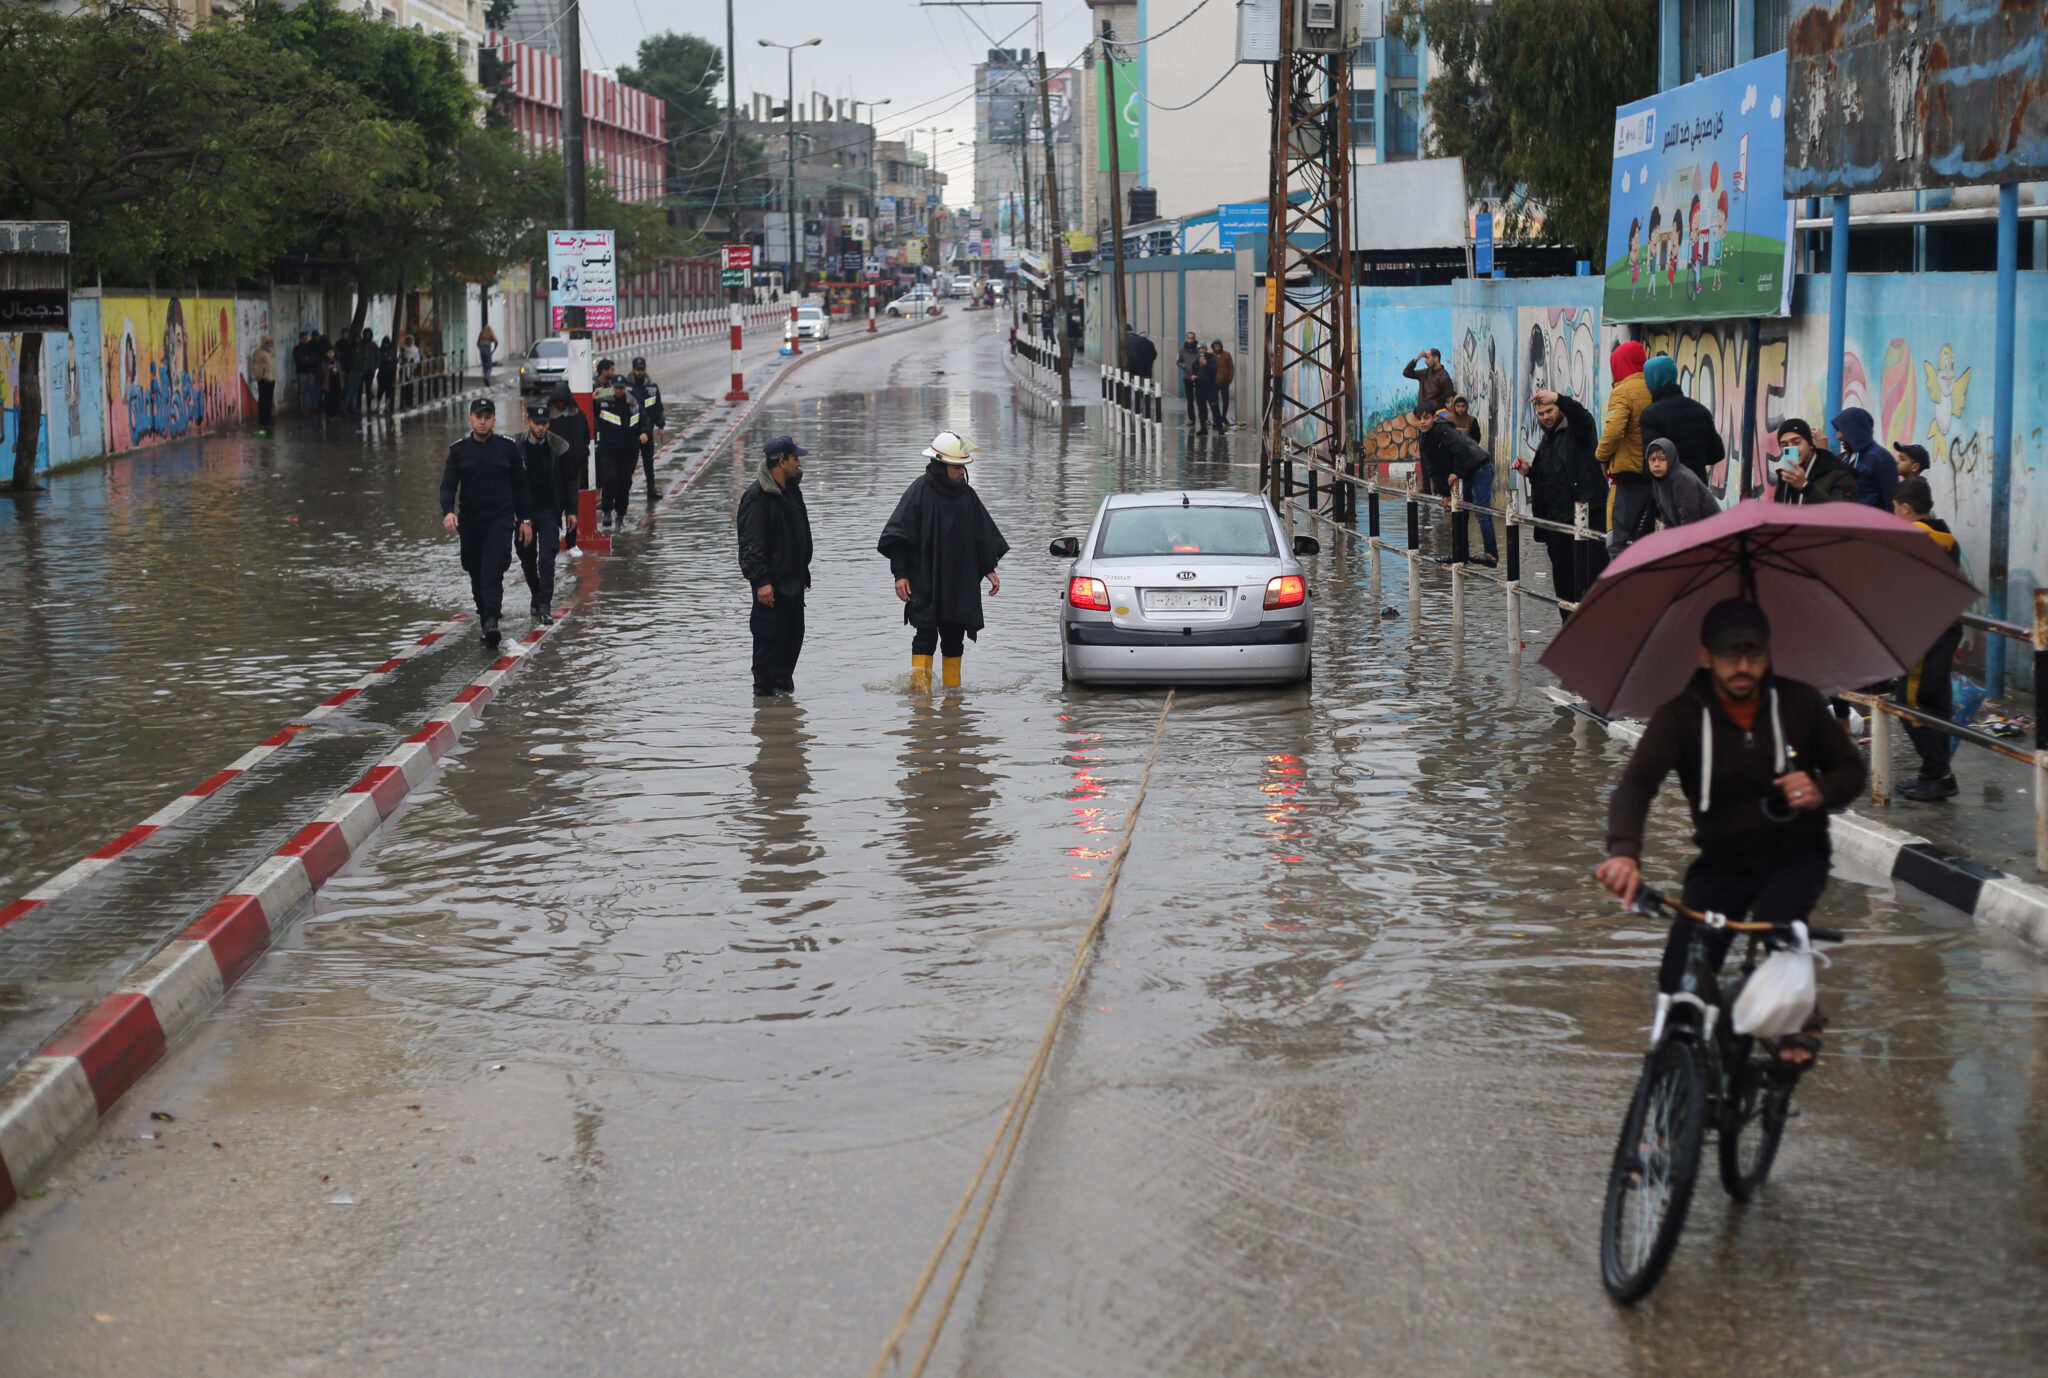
(1239, 217)
(582, 272)
(1697, 221)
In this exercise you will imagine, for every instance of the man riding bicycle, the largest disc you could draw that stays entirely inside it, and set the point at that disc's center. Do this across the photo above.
(1760, 760)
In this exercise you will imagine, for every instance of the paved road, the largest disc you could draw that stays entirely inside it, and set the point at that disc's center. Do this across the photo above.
(660, 1034)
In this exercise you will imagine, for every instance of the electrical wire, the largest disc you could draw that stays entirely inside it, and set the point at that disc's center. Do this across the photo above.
(1141, 42)
(1197, 100)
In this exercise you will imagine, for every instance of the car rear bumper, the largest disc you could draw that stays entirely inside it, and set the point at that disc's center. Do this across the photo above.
(1102, 654)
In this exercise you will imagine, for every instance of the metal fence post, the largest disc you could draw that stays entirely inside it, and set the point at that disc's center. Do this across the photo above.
(1880, 754)
(1457, 607)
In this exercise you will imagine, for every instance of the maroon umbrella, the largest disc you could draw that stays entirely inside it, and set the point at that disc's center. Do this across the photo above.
(1854, 596)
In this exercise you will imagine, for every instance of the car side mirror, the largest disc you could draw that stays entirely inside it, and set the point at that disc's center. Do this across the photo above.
(1307, 545)
(1066, 547)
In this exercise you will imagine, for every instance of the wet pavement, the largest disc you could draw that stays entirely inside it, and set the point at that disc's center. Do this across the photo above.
(660, 1033)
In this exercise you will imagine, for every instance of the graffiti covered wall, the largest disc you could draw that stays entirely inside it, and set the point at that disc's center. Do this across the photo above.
(1394, 325)
(74, 417)
(252, 327)
(172, 367)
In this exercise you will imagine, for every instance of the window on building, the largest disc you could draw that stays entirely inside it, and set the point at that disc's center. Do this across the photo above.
(1773, 20)
(1402, 61)
(1706, 37)
(1363, 133)
(1404, 124)
(1366, 54)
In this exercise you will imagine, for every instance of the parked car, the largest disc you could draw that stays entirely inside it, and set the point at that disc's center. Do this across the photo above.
(812, 323)
(1184, 588)
(545, 366)
(915, 302)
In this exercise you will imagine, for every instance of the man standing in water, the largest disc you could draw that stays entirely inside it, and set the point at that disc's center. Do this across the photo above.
(775, 558)
(941, 543)
(485, 469)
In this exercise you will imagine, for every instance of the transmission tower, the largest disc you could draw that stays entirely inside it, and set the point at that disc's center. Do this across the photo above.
(1311, 402)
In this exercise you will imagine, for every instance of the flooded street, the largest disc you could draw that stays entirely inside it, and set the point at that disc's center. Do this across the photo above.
(660, 1033)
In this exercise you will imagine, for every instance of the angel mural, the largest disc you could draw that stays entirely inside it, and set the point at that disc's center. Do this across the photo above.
(1950, 392)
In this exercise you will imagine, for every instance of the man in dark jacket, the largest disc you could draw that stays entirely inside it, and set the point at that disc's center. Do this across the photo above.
(1433, 386)
(1806, 473)
(1563, 477)
(485, 471)
(1877, 472)
(1205, 393)
(775, 556)
(648, 393)
(1140, 354)
(574, 427)
(620, 434)
(551, 490)
(305, 371)
(941, 543)
(1687, 424)
(1761, 760)
(1184, 362)
(1926, 686)
(1457, 463)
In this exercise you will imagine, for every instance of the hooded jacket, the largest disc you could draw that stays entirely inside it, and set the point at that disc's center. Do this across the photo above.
(1681, 496)
(775, 534)
(1726, 772)
(550, 478)
(1446, 450)
(1564, 472)
(1621, 434)
(1877, 471)
(945, 543)
(1686, 423)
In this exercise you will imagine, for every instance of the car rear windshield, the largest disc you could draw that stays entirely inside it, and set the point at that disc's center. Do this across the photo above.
(1139, 531)
(551, 349)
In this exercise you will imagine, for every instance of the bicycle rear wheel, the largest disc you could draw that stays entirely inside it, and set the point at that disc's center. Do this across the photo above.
(1752, 1123)
(1656, 1162)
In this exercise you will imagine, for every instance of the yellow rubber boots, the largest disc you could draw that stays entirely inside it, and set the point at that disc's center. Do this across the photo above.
(951, 672)
(920, 673)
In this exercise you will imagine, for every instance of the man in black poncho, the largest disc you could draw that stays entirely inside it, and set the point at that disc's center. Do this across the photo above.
(941, 543)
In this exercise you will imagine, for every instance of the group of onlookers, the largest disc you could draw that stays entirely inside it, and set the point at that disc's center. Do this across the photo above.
(1207, 372)
(336, 377)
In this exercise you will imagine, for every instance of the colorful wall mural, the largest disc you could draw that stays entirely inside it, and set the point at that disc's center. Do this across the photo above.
(252, 326)
(1394, 325)
(74, 414)
(172, 367)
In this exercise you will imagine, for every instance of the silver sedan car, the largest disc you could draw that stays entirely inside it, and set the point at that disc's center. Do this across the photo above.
(1185, 588)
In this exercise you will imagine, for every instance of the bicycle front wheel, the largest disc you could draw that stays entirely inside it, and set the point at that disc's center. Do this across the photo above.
(1656, 1162)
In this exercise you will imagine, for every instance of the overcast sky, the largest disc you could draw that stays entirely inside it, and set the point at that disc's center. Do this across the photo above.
(920, 59)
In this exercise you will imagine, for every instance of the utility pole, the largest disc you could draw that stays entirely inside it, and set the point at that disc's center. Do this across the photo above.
(1310, 331)
(789, 221)
(730, 181)
(572, 136)
(1114, 125)
(1052, 232)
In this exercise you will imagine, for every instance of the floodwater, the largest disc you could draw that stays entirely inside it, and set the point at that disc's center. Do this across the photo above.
(662, 1032)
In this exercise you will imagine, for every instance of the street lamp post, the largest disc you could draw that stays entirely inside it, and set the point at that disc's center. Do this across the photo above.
(874, 242)
(931, 180)
(789, 267)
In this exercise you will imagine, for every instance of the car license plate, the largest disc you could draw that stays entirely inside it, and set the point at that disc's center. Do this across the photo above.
(1191, 600)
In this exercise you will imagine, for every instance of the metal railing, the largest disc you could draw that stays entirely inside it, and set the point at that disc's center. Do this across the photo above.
(1342, 488)
(681, 329)
(1133, 407)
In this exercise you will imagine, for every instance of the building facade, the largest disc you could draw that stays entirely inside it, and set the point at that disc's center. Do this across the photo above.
(624, 131)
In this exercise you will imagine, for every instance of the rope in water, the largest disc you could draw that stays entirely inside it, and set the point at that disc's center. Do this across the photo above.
(1011, 1126)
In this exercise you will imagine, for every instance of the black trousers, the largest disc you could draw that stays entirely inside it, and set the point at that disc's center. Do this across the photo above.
(614, 480)
(948, 638)
(486, 555)
(1635, 505)
(1574, 565)
(266, 400)
(1934, 696)
(1207, 410)
(537, 561)
(778, 641)
(1776, 892)
(646, 466)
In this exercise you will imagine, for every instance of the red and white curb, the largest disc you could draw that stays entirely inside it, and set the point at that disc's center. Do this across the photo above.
(90, 865)
(58, 1095)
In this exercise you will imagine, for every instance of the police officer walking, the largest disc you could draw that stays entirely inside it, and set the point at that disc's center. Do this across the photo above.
(647, 393)
(486, 470)
(619, 438)
(574, 427)
(775, 556)
(551, 489)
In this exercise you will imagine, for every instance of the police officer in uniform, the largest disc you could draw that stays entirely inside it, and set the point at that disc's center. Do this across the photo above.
(648, 393)
(551, 486)
(486, 470)
(619, 438)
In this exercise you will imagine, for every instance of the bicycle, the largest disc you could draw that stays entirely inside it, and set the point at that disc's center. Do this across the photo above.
(1697, 1072)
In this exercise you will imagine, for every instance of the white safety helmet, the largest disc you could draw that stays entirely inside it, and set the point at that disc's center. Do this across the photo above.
(951, 449)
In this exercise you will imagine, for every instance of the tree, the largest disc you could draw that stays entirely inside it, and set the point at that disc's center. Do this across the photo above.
(1524, 91)
(687, 75)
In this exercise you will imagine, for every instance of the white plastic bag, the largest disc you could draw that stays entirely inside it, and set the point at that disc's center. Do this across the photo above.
(1778, 995)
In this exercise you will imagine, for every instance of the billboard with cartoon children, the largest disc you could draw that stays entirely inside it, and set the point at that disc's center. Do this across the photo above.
(1697, 221)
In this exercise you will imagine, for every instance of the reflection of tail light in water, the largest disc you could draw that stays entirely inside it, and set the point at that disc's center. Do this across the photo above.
(1284, 775)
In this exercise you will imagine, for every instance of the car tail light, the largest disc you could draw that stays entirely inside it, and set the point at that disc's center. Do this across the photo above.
(1084, 592)
(1286, 591)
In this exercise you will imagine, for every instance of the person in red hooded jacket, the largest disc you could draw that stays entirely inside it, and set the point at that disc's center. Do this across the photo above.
(1629, 499)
